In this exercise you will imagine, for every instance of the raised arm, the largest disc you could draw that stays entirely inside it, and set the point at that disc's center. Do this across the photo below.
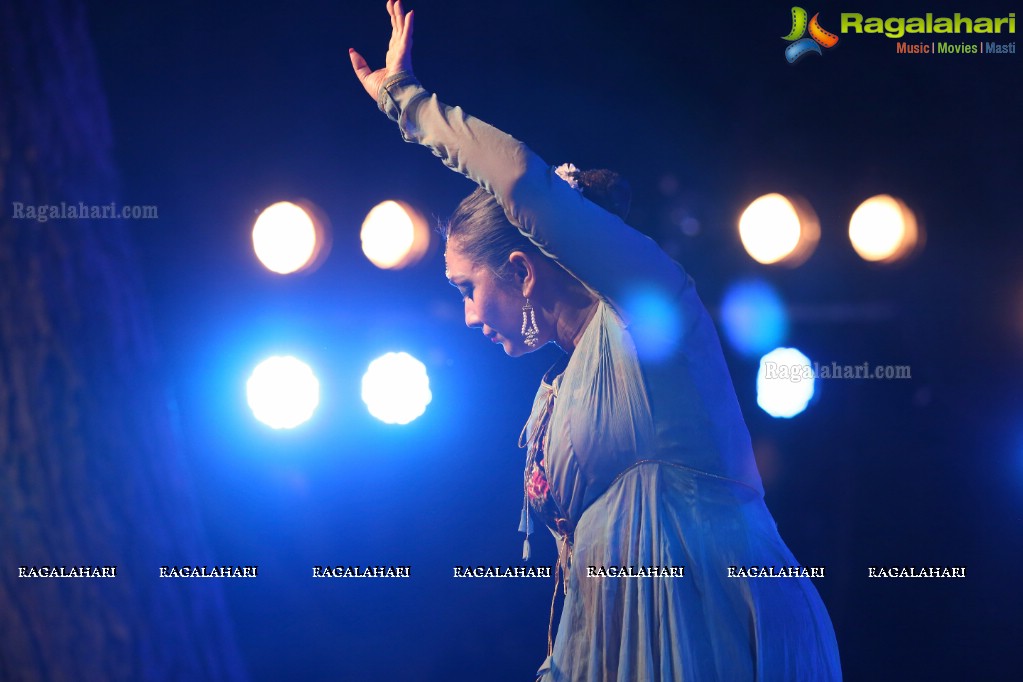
(597, 247)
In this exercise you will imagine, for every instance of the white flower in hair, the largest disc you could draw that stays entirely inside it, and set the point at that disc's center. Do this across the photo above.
(567, 172)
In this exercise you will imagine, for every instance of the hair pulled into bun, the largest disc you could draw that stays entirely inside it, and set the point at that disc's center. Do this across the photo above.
(606, 188)
(484, 235)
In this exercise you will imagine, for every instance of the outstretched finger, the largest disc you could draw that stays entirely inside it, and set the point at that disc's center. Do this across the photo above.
(406, 33)
(399, 16)
(359, 65)
(395, 24)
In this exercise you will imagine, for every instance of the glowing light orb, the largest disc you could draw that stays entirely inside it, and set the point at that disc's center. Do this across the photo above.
(396, 388)
(784, 382)
(283, 392)
(287, 237)
(753, 317)
(394, 235)
(655, 323)
(883, 229)
(779, 229)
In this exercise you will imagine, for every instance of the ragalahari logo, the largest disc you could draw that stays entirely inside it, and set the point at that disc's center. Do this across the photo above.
(801, 46)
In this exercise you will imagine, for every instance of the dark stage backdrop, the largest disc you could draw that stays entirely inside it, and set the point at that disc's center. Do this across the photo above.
(218, 109)
(92, 476)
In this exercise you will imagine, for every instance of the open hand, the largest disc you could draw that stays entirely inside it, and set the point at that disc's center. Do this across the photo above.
(399, 51)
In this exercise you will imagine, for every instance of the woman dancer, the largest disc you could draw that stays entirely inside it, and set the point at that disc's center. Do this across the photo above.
(637, 457)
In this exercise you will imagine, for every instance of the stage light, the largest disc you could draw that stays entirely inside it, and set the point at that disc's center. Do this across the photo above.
(283, 392)
(753, 317)
(883, 229)
(775, 229)
(396, 388)
(394, 235)
(784, 382)
(288, 237)
(654, 323)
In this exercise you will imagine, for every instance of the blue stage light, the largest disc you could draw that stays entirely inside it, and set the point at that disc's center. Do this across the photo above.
(283, 392)
(784, 382)
(396, 388)
(655, 323)
(753, 317)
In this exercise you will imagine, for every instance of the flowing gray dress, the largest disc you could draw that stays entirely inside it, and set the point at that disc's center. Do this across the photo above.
(646, 458)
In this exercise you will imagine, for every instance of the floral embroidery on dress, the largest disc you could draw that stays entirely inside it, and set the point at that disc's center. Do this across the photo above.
(541, 500)
(537, 488)
(538, 497)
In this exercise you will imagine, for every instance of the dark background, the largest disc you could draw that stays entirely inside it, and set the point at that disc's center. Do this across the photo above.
(220, 109)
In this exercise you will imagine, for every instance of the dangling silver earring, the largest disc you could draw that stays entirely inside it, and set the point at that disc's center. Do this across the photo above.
(530, 332)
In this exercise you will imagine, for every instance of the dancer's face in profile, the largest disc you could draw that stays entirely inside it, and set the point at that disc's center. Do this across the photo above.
(491, 303)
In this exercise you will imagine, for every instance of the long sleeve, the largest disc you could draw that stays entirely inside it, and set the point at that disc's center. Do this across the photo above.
(596, 246)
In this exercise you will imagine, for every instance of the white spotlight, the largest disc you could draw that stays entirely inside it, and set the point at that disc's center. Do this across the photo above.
(779, 229)
(283, 392)
(396, 388)
(394, 235)
(883, 229)
(784, 382)
(289, 237)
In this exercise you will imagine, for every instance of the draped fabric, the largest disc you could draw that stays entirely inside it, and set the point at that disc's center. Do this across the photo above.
(631, 511)
(642, 445)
